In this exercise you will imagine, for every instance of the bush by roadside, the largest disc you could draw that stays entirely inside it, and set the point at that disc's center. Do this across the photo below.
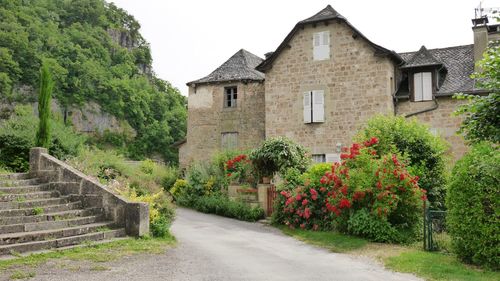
(473, 203)
(413, 141)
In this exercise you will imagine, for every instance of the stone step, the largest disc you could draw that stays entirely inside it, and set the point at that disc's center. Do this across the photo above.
(47, 225)
(25, 237)
(24, 189)
(20, 197)
(35, 203)
(10, 183)
(15, 176)
(61, 242)
(50, 216)
(42, 210)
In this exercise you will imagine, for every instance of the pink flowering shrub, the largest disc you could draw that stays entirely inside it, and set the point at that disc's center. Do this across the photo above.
(378, 186)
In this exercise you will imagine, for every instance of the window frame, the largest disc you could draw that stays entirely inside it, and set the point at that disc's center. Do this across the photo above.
(411, 80)
(233, 99)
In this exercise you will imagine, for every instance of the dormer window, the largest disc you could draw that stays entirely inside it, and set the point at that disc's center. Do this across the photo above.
(422, 86)
(321, 45)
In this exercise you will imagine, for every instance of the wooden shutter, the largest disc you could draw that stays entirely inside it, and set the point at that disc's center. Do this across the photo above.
(332, 157)
(426, 86)
(318, 106)
(307, 107)
(321, 45)
(417, 87)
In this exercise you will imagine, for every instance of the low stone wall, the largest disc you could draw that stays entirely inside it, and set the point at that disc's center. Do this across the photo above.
(134, 216)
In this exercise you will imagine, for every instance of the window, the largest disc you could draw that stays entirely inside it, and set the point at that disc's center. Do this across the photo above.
(314, 107)
(422, 86)
(318, 158)
(230, 96)
(229, 141)
(332, 158)
(321, 45)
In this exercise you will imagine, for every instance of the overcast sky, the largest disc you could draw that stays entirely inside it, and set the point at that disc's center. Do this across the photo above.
(189, 38)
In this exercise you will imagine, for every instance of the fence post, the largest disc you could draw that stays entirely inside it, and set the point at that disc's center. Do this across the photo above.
(425, 226)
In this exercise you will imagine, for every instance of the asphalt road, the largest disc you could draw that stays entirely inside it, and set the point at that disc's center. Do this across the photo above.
(212, 248)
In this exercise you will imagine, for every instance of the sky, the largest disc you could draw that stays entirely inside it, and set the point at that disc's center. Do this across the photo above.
(189, 38)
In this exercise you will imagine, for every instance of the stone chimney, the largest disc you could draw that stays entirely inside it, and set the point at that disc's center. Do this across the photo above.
(480, 30)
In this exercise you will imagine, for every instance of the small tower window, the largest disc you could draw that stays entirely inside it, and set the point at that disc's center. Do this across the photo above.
(230, 96)
(422, 86)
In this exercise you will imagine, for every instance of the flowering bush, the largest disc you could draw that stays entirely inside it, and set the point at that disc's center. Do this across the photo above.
(380, 186)
(240, 169)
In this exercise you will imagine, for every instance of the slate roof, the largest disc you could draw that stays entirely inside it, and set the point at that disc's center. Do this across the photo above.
(326, 14)
(239, 67)
(459, 64)
(421, 58)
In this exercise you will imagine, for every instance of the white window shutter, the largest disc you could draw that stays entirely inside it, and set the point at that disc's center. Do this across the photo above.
(417, 86)
(332, 157)
(307, 107)
(318, 106)
(321, 45)
(426, 86)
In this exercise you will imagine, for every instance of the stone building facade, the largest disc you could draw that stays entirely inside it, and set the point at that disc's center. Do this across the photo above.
(321, 85)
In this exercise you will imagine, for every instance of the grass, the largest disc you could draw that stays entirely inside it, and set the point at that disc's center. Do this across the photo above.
(38, 211)
(438, 266)
(409, 259)
(332, 241)
(19, 274)
(97, 253)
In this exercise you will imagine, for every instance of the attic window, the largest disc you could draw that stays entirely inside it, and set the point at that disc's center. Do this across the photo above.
(230, 96)
(321, 45)
(422, 86)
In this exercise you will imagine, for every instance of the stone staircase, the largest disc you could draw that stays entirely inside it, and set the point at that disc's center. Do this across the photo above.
(55, 206)
(35, 216)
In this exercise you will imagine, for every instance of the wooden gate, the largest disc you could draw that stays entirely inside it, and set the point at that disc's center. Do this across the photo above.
(271, 196)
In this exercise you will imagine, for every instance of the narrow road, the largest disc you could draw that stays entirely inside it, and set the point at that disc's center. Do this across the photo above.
(212, 248)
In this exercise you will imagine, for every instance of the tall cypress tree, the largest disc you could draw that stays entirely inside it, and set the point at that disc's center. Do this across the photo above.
(44, 97)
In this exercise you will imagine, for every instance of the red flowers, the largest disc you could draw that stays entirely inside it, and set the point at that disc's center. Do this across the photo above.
(371, 142)
(344, 203)
(314, 194)
(304, 202)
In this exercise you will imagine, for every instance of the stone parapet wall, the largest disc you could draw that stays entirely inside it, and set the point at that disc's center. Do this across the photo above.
(134, 216)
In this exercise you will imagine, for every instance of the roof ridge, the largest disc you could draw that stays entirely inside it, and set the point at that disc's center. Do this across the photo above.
(443, 48)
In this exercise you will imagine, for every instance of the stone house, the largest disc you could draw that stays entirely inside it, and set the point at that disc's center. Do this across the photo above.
(321, 84)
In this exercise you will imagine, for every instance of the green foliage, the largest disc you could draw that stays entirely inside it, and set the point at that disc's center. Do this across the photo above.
(222, 206)
(413, 141)
(180, 188)
(44, 98)
(366, 194)
(278, 155)
(364, 224)
(146, 181)
(473, 205)
(95, 53)
(18, 134)
(482, 113)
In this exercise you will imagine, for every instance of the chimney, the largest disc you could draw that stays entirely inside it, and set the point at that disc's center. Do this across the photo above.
(480, 30)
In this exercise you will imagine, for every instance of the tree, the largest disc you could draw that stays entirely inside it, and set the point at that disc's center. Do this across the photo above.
(46, 85)
(482, 113)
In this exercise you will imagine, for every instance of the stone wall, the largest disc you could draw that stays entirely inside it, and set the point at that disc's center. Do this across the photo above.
(441, 120)
(68, 181)
(208, 119)
(357, 84)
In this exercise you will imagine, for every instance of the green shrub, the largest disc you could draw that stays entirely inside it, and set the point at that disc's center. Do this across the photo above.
(278, 155)
(18, 134)
(363, 224)
(222, 206)
(473, 203)
(413, 141)
(367, 195)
